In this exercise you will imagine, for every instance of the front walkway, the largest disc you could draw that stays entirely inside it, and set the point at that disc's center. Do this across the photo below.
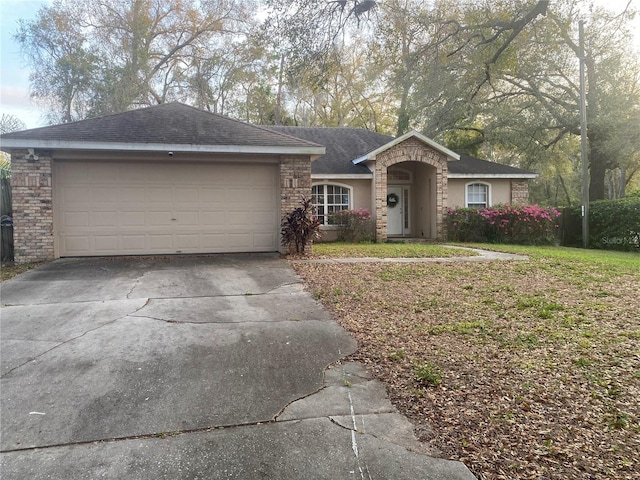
(482, 256)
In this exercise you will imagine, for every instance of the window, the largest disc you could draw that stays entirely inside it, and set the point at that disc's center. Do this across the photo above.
(398, 175)
(328, 199)
(477, 195)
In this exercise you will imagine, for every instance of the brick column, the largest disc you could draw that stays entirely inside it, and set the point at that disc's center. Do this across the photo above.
(519, 192)
(295, 183)
(32, 199)
(442, 201)
(381, 201)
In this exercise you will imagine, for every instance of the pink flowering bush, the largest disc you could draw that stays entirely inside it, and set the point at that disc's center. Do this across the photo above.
(522, 224)
(353, 225)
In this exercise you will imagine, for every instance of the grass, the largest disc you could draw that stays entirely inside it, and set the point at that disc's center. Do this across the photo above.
(524, 369)
(387, 250)
(9, 270)
(610, 260)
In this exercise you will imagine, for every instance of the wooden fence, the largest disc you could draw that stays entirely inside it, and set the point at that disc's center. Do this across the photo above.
(6, 224)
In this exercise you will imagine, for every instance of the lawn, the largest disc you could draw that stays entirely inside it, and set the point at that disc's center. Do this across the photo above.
(387, 250)
(522, 370)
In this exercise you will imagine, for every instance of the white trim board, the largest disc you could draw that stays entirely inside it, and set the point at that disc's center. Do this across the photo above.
(492, 175)
(451, 155)
(9, 143)
(338, 176)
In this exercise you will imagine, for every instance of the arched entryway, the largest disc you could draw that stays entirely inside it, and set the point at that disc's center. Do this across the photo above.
(411, 200)
(411, 191)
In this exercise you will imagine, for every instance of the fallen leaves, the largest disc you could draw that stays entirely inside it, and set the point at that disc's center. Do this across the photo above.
(537, 362)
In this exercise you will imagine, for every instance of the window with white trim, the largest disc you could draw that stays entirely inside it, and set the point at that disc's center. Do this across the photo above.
(330, 198)
(477, 195)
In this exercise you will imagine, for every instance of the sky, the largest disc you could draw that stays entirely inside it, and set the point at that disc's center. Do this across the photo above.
(14, 75)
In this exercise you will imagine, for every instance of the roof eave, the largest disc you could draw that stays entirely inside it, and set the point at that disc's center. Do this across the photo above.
(493, 175)
(341, 176)
(11, 143)
(451, 155)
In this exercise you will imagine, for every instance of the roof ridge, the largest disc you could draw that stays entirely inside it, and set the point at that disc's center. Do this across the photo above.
(267, 129)
(226, 117)
(328, 128)
(99, 117)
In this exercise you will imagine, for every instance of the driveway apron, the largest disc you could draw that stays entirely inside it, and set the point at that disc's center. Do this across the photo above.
(189, 367)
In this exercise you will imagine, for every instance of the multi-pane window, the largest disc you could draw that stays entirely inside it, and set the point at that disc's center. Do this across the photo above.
(397, 175)
(477, 195)
(329, 199)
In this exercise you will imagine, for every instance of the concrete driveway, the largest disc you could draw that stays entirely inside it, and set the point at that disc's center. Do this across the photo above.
(189, 367)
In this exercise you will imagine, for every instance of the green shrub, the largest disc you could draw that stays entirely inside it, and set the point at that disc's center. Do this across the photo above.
(520, 224)
(300, 227)
(465, 225)
(615, 224)
(354, 226)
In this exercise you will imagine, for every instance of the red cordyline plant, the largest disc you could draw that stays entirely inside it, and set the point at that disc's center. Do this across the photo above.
(301, 226)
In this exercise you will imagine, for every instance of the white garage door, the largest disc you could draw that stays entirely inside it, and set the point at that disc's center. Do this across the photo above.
(107, 208)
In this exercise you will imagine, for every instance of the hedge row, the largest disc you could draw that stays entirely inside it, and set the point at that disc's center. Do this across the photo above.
(520, 224)
(613, 224)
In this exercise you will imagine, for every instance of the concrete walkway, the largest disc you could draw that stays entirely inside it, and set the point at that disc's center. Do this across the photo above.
(481, 256)
(190, 367)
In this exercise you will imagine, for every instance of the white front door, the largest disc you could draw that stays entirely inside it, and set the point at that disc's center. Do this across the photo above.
(397, 210)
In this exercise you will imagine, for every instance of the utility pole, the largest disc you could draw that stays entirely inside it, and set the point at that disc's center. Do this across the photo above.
(583, 141)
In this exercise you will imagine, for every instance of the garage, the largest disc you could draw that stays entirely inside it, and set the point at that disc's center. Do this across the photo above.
(166, 179)
(133, 208)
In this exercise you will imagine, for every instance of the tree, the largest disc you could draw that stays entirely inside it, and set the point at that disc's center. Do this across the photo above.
(10, 123)
(62, 67)
(501, 81)
(547, 79)
(92, 57)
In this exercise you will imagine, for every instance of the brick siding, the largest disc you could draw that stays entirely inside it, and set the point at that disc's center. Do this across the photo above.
(295, 183)
(519, 192)
(31, 191)
(411, 150)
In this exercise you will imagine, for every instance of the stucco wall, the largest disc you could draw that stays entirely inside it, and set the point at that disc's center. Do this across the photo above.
(361, 198)
(500, 190)
(424, 197)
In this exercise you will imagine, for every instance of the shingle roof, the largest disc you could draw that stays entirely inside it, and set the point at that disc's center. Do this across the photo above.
(347, 144)
(170, 123)
(343, 145)
(468, 165)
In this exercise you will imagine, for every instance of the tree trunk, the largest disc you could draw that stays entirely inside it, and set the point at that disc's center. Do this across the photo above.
(597, 174)
(403, 115)
(564, 189)
(278, 110)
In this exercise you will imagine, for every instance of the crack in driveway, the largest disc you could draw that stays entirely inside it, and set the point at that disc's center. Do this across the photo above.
(71, 339)
(219, 396)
